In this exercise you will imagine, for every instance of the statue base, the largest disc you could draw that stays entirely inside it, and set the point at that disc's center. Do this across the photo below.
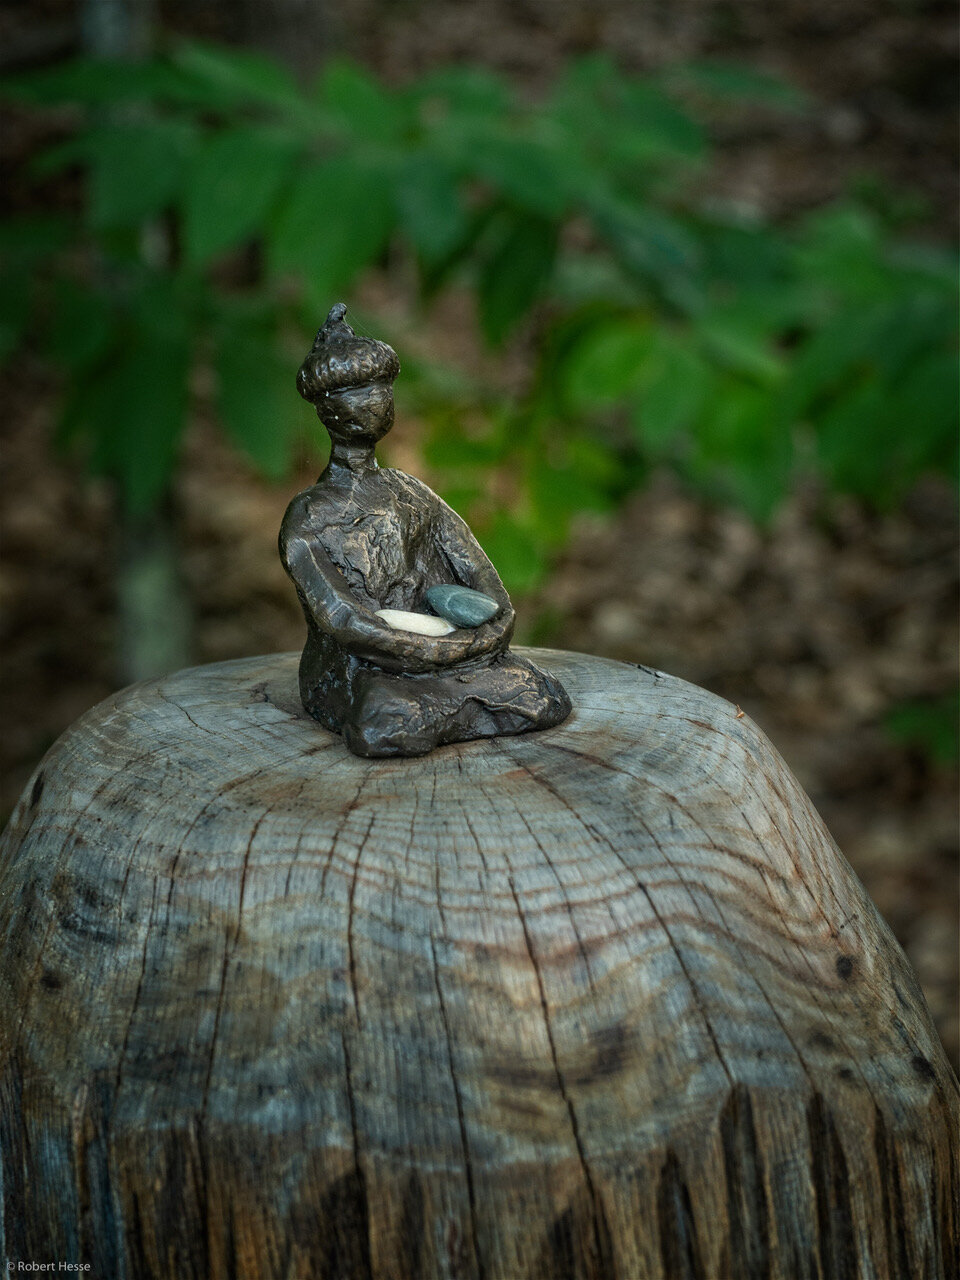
(380, 713)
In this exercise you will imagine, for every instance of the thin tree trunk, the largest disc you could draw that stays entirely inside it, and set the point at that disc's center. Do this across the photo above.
(154, 629)
(154, 618)
(121, 29)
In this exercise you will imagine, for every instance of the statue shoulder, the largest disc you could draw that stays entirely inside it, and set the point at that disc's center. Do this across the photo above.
(412, 489)
(306, 514)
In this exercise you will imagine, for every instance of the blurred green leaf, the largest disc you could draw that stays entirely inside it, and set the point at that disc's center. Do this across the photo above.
(662, 123)
(335, 222)
(96, 82)
(933, 725)
(622, 120)
(231, 187)
(740, 342)
(240, 77)
(581, 279)
(579, 477)
(429, 205)
(749, 257)
(82, 325)
(254, 386)
(824, 361)
(607, 364)
(461, 497)
(62, 155)
(361, 105)
(476, 234)
(556, 496)
(32, 238)
(879, 342)
(460, 92)
(449, 448)
(841, 248)
(740, 453)
(926, 266)
(896, 207)
(25, 244)
(676, 383)
(136, 168)
(647, 242)
(600, 470)
(923, 413)
(516, 551)
(728, 80)
(132, 413)
(907, 329)
(516, 273)
(847, 441)
(527, 171)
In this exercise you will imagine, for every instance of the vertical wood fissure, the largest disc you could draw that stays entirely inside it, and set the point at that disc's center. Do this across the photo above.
(351, 916)
(229, 947)
(461, 1119)
(599, 1234)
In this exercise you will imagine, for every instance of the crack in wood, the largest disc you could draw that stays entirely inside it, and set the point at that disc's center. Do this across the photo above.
(604, 1258)
(461, 1120)
(351, 953)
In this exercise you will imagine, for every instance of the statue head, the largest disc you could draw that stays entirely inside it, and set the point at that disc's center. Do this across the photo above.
(350, 380)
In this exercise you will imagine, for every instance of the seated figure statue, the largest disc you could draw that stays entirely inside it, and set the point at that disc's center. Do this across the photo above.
(366, 538)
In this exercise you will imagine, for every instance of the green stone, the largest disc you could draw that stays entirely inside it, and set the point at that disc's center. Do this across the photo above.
(461, 605)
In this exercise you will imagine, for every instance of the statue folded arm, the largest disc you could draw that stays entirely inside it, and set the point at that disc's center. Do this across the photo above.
(337, 612)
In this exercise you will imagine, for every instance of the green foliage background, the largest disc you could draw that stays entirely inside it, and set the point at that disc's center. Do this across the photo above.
(669, 331)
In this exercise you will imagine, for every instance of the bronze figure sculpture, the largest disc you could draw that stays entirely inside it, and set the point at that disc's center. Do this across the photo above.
(365, 542)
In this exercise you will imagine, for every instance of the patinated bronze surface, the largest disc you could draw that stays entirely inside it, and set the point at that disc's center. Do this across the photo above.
(365, 538)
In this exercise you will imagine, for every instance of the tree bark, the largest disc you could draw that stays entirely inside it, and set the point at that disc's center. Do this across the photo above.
(603, 1001)
(154, 622)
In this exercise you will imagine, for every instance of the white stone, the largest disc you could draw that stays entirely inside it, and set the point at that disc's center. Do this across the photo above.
(424, 624)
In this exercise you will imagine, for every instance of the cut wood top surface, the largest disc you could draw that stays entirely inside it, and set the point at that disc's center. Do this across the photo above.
(641, 902)
(603, 1001)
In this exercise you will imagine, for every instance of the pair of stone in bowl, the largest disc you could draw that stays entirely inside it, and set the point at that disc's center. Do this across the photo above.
(453, 607)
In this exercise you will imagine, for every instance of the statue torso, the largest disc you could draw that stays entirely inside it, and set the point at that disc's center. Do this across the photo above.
(384, 535)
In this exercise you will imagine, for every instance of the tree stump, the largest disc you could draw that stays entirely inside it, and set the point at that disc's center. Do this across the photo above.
(603, 1001)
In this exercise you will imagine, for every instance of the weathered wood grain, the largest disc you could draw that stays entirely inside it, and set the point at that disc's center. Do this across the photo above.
(604, 1001)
